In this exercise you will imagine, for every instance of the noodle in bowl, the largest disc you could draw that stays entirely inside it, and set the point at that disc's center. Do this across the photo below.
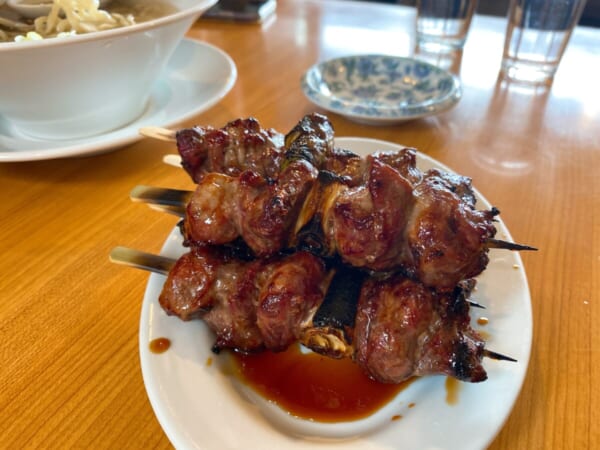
(90, 83)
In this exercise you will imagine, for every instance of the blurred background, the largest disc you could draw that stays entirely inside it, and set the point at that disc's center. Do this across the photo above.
(590, 17)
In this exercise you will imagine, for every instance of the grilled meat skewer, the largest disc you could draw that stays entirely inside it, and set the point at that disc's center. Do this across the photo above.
(243, 144)
(428, 228)
(394, 328)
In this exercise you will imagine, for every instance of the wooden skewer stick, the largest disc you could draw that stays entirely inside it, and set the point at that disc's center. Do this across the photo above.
(173, 160)
(162, 134)
(174, 210)
(141, 260)
(173, 201)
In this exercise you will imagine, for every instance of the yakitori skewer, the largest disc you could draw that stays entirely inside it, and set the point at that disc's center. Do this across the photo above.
(176, 201)
(162, 264)
(271, 309)
(438, 241)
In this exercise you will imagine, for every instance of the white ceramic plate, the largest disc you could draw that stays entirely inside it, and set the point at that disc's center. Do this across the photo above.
(196, 78)
(381, 89)
(198, 406)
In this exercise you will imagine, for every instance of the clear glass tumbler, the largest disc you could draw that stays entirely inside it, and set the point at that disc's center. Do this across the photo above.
(442, 25)
(536, 37)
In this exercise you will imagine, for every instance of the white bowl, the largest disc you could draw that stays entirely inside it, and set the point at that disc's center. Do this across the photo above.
(78, 86)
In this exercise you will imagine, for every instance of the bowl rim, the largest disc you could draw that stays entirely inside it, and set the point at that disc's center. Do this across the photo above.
(178, 15)
(386, 113)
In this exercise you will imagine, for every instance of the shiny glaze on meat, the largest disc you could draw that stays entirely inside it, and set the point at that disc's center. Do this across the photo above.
(248, 304)
(404, 329)
(240, 145)
(262, 213)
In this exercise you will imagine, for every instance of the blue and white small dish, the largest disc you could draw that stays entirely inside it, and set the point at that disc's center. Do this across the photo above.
(381, 89)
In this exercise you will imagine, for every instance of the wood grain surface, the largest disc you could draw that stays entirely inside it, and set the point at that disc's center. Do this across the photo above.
(69, 319)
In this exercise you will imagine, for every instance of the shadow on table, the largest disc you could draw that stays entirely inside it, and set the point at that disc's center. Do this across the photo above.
(515, 120)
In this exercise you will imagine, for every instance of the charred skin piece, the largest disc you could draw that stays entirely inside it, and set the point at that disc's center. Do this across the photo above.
(311, 140)
(396, 328)
(396, 218)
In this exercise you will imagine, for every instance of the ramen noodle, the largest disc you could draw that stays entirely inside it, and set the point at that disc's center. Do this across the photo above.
(81, 16)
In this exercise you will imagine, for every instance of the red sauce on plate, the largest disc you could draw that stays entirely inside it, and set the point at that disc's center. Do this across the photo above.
(159, 345)
(452, 389)
(315, 387)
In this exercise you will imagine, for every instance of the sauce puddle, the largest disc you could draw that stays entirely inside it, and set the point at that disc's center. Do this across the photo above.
(159, 345)
(312, 386)
(453, 387)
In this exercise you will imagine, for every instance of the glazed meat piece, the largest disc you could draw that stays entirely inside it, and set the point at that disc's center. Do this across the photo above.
(290, 295)
(404, 329)
(240, 145)
(367, 223)
(403, 161)
(262, 213)
(431, 229)
(249, 305)
(394, 328)
(208, 285)
(446, 234)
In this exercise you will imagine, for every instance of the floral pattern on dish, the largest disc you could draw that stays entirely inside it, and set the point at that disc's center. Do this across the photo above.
(381, 88)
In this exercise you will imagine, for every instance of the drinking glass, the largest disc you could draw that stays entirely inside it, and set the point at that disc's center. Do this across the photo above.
(536, 37)
(442, 25)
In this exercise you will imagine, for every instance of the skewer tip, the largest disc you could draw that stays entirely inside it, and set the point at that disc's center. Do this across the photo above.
(498, 243)
(498, 356)
(476, 304)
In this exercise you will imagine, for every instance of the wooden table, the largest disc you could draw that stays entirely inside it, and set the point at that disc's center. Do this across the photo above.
(70, 373)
